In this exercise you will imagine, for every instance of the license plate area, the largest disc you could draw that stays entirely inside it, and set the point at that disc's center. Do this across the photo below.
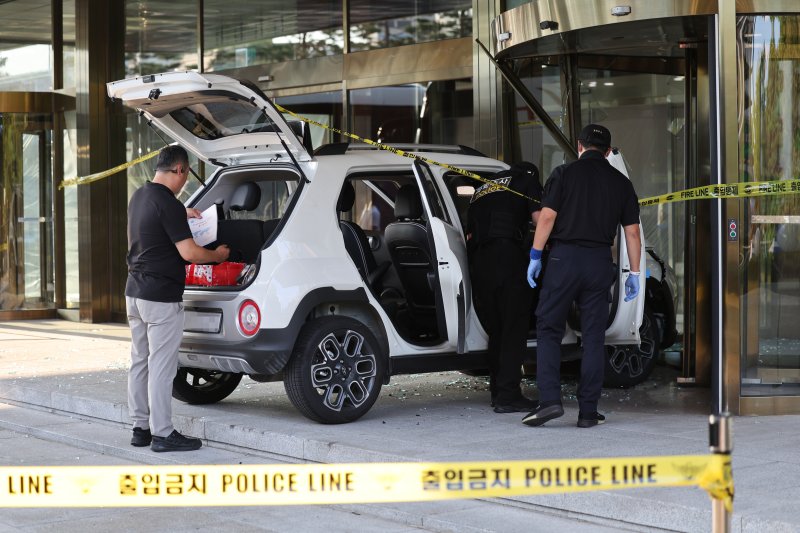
(202, 320)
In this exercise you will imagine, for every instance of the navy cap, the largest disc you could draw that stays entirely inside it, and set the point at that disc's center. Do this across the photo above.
(595, 135)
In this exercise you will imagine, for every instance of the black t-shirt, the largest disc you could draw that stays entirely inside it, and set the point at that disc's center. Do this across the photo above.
(496, 213)
(591, 198)
(156, 221)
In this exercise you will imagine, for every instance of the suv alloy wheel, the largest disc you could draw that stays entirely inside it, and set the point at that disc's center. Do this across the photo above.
(336, 371)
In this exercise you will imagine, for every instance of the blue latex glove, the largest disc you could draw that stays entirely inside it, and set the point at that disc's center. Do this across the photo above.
(631, 286)
(534, 267)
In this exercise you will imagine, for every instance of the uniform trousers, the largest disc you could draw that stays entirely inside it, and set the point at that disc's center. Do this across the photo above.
(156, 332)
(583, 275)
(503, 302)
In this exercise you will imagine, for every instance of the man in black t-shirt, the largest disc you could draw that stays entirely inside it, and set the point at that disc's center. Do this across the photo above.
(498, 223)
(159, 245)
(583, 204)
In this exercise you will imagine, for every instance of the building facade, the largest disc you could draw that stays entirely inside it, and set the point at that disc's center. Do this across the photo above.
(695, 93)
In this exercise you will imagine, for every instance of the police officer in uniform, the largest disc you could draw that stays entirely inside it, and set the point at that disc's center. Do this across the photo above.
(583, 203)
(497, 228)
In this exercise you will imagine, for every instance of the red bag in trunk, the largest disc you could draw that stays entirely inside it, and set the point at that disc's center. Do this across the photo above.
(213, 275)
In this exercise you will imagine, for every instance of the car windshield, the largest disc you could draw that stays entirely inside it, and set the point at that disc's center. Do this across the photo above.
(223, 117)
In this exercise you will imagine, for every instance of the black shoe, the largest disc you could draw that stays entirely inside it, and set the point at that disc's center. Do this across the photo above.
(141, 437)
(542, 414)
(590, 420)
(175, 442)
(517, 405)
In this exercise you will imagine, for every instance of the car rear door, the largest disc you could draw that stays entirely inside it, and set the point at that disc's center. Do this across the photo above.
(219, 119)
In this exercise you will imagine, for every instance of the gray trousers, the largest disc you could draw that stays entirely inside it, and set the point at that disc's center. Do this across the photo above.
(156, 331)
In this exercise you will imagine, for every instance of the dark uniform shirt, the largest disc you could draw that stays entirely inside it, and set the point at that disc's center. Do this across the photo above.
(156, 221)
(591, 198)
(496, 213)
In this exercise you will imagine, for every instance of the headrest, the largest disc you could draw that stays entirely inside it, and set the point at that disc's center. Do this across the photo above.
(346, 198)
(246, 197)
(407, 204)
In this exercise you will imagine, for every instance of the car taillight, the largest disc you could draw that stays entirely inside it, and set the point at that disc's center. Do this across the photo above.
(249, 317)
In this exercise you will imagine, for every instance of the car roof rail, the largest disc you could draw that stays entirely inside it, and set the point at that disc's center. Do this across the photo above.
(343, 147)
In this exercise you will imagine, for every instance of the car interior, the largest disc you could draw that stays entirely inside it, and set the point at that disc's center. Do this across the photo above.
(386, 212)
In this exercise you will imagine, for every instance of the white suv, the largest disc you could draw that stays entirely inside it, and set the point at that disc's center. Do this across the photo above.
(331, 308)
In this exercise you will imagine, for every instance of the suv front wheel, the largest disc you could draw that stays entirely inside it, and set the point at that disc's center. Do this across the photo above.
(627, 366)
(336, 370)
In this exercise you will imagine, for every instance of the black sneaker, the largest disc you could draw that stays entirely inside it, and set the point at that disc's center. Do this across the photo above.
(517, 405)
(590, 420)
(141, 437)
(542, 414)
(175, 442)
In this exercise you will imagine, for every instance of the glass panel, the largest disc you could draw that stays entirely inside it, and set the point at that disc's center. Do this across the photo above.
(769, 148)
(26, 54)
(438, 112)
(209, 120)
(511, 4)
(68, 45)
(160, 36)
(535, 143)
(26, 227)
(143, 139)
(71, 262)
(373, 208)
(381, 24)
(325, 108)
(241, 33)
(431, 191)
(654, 156)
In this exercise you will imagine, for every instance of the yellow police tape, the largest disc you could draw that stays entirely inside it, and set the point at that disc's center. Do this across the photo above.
(493, 186)
(706, 192)
(727, 190)
(303, 484)
(83, 180)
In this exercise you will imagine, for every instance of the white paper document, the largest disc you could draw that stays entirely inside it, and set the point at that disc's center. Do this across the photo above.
(204, 230)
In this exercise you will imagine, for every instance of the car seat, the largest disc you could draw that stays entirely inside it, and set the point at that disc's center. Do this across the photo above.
(244, 236)
(407, 240)
(357, 244)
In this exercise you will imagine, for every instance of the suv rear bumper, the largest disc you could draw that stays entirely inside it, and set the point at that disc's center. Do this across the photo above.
(265, 353)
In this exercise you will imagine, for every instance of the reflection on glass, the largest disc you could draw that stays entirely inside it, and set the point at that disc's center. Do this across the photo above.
(240, 33)
(26, 54)
(381, 25)
(26, 68)
(71, 262)
(769, 148)
(160, 41)
(438, 112)
(26, 227)
(68, 51)
(324, 107)
(654, 155)
(536, 144)
(142, 139)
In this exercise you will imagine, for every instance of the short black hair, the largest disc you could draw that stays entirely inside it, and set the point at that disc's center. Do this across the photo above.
(170, 156)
